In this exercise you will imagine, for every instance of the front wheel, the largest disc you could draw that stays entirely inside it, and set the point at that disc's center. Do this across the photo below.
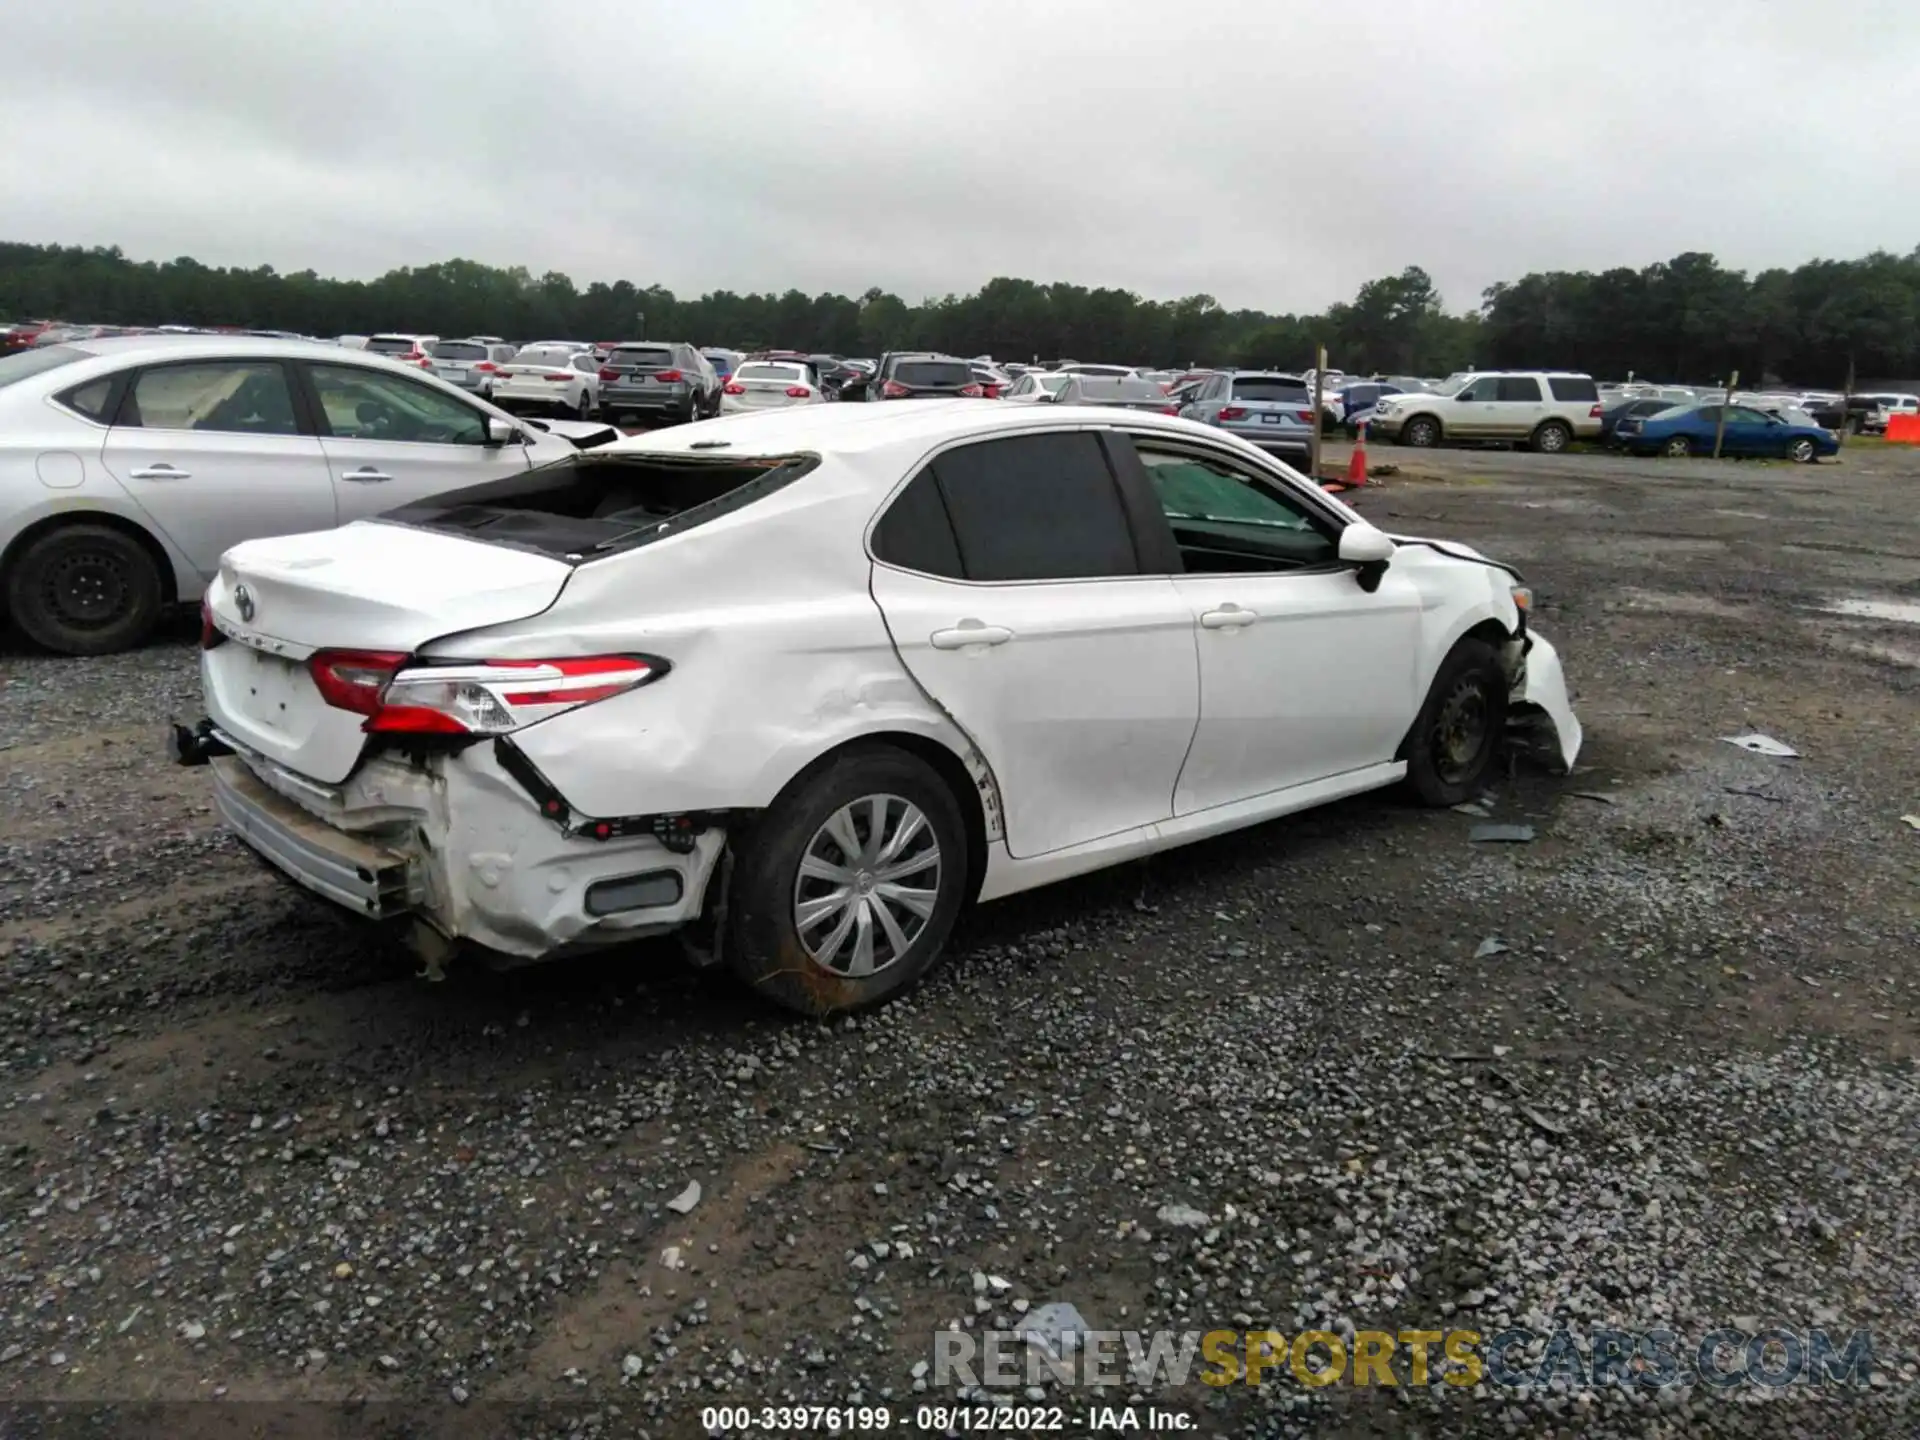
(1453, 740)
(85, 590)
(1678, 447)
(849, 884)
(1801, 452)
(1423, 432)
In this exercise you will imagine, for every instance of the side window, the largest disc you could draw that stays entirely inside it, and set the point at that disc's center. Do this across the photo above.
(1573, 387)
(1709, 413)
(1036, 507)
(1487, 387)
(1227, 520)
(90, 399)
(1745, 416)
(1519, 387)
(916, 534)
(585, 364)
(244, 397)
(370, 405)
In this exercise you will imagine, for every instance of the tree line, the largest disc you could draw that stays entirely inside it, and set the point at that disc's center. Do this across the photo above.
(1682, 319)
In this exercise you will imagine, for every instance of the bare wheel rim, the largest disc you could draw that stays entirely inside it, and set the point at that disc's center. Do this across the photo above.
(1553, 439)
(1460, 729)
(1678, 446)
(85, 588)
(868, 884)
(1803, 450)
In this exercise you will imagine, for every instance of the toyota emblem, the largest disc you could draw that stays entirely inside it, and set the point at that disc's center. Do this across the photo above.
(243, 599)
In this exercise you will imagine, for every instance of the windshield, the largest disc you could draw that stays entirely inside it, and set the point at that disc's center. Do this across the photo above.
(655, 359)
(391, 344)
(25, 364)
(459, 350)
(1052, 384)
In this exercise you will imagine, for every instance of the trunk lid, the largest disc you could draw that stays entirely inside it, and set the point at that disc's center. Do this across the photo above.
(367, 586)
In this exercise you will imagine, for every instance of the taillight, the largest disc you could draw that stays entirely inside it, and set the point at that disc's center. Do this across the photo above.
(734, 387)
(1169, 409)
(1594, 413)
(1233, 412)
(797, 392)
(487, 365)
(670, 377)
(1305, 417)
(894, 390)
(353, 679)
(210, 633)
(992, 392)
(560, 376)
(492, 697)
(972, 392)
(608, 373)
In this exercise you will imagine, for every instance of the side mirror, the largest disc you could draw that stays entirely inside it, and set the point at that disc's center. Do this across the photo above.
(1361, 544)
(501, 432)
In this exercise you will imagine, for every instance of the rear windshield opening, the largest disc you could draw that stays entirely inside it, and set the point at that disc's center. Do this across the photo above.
(588, 506)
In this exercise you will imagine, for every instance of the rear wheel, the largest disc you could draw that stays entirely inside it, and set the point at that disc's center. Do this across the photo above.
(586, 409)
(1552, 437)
(846, 889)
(1679, 445)
(1453, 740)
(85, 590)
(1422, 430)
(1801, 451)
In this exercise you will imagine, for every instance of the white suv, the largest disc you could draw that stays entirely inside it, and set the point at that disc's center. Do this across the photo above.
(1539, 409)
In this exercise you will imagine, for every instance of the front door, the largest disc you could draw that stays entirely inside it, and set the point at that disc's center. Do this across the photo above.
(390, 440)
(1303, 673)
(1475, 412)
(212, 450)
(1009, 581)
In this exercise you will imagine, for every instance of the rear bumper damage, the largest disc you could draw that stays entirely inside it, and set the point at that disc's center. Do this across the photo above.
(457, 843)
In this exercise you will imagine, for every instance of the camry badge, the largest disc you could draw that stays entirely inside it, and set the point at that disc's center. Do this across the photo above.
(243, 599)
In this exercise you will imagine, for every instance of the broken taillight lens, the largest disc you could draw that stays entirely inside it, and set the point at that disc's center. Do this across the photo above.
(492, 697)
(210, 633)
(353, 679)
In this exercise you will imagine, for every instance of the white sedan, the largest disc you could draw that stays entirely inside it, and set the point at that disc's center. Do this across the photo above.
(1036, 386)
(809, 682)
(769, 385)
(547, 377)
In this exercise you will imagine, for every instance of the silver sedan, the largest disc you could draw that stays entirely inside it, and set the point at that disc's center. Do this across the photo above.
(128, 467)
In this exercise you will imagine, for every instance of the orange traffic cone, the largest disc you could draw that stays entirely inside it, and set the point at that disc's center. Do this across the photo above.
(1357, 463)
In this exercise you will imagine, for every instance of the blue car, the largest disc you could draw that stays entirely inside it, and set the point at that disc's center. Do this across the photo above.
(1689, 430)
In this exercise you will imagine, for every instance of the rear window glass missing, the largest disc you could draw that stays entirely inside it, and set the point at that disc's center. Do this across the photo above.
(589, 506)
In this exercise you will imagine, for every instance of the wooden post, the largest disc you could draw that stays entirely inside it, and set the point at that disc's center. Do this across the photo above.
(1846, 394)
(1720, 430)
(1319, 416)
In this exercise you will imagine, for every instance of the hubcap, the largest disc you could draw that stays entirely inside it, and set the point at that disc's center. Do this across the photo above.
(1551, 440)
(85, 588)
(868, 883)
(1460, 730)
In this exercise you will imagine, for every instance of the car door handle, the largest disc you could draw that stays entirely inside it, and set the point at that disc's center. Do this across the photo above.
(1228, 617)
(365, 474)
(970, 632)
(161, 472)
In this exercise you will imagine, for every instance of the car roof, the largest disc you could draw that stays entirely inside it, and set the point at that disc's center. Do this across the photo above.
(185, 347)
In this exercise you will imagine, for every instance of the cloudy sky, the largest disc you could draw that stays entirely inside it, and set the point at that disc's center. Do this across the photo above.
(1271, 153)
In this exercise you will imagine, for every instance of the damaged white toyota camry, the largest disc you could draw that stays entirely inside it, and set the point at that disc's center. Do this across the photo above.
(805, 683)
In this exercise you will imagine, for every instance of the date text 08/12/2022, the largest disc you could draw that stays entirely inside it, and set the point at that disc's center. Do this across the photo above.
(942, 1419)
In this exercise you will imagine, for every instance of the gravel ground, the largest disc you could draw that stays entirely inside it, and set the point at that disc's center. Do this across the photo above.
(246, 1155)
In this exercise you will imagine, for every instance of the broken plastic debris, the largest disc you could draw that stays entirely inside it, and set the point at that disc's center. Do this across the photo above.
(684, 1202)
(1057, 1328)
(1474, 808)
(1184, 1216)
(1492, 945)
(1501, 834)
(1911, 820)
(1593, 795)
(670, 1257)
(1762, 745)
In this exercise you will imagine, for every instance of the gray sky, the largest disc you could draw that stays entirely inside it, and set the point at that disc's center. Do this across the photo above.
(928, 145)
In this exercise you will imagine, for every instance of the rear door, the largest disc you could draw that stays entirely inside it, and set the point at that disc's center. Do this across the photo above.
(1519, 407)
(1009, 579)
(215, 451)
(390, 440)
(933, 377)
